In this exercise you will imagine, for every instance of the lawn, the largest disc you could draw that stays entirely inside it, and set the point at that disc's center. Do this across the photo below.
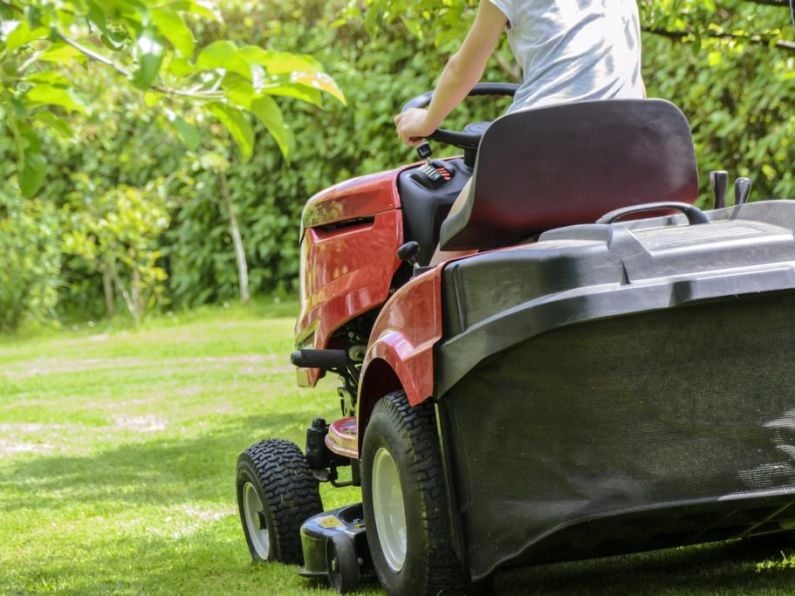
(117, 454)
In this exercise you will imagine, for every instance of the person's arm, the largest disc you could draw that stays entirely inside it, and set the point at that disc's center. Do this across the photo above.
(462, 71)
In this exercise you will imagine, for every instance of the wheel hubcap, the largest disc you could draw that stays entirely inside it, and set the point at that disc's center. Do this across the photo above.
(254, 514)
(389, 509)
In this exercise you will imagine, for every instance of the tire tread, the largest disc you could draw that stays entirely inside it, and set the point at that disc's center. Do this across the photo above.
(290, 489)
(443, 572)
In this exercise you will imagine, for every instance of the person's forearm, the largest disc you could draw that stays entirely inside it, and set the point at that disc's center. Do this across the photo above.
(453, 86)
(466, 66)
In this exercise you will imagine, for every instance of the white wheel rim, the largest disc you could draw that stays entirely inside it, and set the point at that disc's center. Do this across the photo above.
(254, 514)
(389, 509)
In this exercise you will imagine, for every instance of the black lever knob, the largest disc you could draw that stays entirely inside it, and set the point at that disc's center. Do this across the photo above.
(424, 151)
(719, 180)
(408, 252)
(742, 190)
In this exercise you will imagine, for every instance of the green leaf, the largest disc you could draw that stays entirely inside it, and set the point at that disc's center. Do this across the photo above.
(61, 53)
(307, 94)
(43, 94)
(134, 12)
(224, 54)
(267, 111)
(55, 124)
(286, 69)
(207, 9)
(22, 35)
(280, 62)
(151, 98)
(49, 77)
(202, 8)
(96, 14)
(235, 122)
(320, 81)
(112, 42)
(173, 28)
(304, 83)
(113, 38)
(188, 133)
(179, 67)
(239, 91)
(33, 166)
(150, 57)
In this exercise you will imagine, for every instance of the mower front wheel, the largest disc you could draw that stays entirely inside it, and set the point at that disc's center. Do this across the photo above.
(276, 493)
(404, 500)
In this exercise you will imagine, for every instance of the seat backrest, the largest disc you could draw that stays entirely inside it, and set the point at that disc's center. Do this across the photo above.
(568, 164)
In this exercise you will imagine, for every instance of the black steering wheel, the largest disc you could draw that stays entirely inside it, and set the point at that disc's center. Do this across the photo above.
(466, 140)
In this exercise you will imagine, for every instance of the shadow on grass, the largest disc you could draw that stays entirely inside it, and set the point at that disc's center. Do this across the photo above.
(738, 567)
(157, 471)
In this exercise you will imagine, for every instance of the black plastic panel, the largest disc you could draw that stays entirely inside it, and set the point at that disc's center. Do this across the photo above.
(424, 208)
(635, 432)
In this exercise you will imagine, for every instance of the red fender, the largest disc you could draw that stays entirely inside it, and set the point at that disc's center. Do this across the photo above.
(401, 347)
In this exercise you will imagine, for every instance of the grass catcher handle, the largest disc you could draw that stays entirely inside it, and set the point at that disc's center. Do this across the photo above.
(693, 214)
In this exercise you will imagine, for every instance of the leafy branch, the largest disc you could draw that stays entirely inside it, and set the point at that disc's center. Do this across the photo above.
(150, 44)
(97, 57)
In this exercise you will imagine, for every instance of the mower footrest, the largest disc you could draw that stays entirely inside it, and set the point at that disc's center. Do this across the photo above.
(343, 437)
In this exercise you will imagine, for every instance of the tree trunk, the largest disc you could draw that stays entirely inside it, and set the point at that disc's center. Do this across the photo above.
(237, 240)
(137, 296)
(107, 287)
(128, 299)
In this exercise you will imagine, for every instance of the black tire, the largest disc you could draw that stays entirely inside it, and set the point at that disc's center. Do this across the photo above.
(408, 436)
(343, 564)
(275, 474)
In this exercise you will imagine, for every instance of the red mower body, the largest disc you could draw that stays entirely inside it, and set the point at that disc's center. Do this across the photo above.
(350, 236)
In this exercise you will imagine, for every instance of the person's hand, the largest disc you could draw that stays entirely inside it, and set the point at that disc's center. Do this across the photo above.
(412, 126)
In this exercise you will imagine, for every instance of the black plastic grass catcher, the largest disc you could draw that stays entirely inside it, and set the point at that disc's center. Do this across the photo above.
(622, 387)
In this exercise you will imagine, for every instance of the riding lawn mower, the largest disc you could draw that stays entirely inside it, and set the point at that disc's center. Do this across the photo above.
(607, 368)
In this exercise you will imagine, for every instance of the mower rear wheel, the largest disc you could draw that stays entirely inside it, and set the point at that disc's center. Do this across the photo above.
(276, 493)
(404, 500)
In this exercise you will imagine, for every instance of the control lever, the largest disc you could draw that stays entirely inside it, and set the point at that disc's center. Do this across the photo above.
(719, 180)
(742, 190)
(408, 252)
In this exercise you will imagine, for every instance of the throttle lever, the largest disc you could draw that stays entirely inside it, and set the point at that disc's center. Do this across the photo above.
(742, 189)
(719, 180)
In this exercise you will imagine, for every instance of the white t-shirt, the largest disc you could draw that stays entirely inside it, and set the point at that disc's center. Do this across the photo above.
(574, 50)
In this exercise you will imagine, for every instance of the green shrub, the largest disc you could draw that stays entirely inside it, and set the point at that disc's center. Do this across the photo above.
(30, 243)
(737, 96)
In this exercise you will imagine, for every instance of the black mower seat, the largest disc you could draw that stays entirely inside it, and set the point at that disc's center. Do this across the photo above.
(569, 164)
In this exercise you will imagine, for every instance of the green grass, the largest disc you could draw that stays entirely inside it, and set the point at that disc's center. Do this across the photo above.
(117, 455)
